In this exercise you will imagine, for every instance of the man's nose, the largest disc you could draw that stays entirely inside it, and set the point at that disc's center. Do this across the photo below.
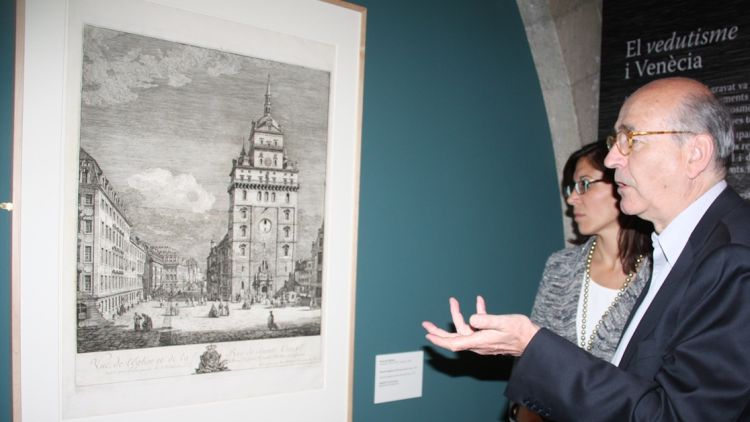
(614, 158)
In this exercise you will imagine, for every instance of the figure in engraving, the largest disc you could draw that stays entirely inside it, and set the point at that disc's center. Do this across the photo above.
(137, 318)
(271, 324)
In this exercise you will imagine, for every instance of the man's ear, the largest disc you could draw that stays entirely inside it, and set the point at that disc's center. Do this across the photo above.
(700, 155)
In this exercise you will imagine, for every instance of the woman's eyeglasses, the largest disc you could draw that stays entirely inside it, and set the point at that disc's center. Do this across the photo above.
(580, 187)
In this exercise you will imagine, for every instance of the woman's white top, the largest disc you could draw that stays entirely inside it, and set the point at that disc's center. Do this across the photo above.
(600, 298)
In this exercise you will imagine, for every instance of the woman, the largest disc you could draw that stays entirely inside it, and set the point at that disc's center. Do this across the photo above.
(587, 291)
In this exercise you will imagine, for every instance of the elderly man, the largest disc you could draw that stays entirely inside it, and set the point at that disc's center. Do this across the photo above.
(684, 354)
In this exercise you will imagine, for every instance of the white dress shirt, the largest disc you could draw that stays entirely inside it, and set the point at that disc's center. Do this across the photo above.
(668, 246)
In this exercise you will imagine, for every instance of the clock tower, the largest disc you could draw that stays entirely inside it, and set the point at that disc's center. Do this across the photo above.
(262, 231)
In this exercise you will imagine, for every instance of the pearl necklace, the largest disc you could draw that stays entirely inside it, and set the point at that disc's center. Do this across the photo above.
(584, 310)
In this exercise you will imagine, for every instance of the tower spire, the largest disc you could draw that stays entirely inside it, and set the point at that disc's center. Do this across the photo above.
(267, 111)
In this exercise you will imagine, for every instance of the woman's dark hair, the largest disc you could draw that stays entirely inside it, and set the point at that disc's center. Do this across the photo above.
(635, 234)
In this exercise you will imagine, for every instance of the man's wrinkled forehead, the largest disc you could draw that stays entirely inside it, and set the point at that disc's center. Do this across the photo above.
(624, 118)
(648, 105)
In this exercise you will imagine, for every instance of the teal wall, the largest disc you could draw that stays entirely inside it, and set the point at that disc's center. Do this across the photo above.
(458, 193)
(7, 27)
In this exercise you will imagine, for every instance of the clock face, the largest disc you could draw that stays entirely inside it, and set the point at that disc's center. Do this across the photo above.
(268, 161)
(264, 225)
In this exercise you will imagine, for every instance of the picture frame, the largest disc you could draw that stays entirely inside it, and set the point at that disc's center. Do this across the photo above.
(322, 35)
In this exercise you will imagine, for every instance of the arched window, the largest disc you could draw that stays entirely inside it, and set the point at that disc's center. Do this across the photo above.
(286, 250)
(243, 212)
(286, 231)
(287, 198)
(244, 194)
(259, 197)
(265, 196)
(286, 214)
(243, 231)
(273, 196)
(243, 249)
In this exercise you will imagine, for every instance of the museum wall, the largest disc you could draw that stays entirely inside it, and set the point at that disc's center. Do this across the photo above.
(458, 194)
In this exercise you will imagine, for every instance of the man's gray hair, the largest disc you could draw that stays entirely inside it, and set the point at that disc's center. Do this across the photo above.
(704, 113)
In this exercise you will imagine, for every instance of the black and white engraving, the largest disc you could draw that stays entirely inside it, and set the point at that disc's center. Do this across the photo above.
(201, 197)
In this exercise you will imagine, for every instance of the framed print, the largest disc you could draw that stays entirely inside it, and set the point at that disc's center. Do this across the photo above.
(188, 208)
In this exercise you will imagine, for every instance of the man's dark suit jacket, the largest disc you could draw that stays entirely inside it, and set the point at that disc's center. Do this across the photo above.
(689, 358)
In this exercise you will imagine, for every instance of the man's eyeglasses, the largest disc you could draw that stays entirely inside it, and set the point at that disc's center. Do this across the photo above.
(624, 138)
(580, 187)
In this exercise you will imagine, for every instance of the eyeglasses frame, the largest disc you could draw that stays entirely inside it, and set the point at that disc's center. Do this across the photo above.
(629, 134)
(585, 183)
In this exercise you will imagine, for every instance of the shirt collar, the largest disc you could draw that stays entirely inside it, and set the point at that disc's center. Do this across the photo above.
(674, 237)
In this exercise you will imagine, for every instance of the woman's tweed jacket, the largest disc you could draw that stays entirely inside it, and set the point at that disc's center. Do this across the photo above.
(556, 300)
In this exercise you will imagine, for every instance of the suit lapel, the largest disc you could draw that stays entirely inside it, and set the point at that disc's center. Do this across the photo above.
(640, 298)
(672, 290)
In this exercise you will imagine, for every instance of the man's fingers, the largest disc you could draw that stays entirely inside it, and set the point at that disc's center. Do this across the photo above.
(485, 321)
(434, 330)
(455, 344)
(496, 322)
(482, 342)
(458, 319)
(481, 307)
(430, 327)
